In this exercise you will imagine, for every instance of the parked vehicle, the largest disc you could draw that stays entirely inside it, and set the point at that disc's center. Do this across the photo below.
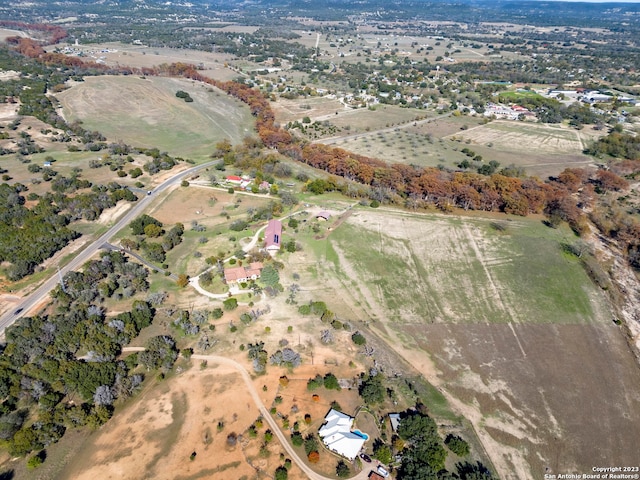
(383, 471)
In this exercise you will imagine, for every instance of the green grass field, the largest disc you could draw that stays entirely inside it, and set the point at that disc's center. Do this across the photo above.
(146, 113)
(461, 270)
(514, 96)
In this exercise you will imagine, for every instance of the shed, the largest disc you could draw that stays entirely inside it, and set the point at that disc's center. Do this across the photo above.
(323, 215)
(394, 418)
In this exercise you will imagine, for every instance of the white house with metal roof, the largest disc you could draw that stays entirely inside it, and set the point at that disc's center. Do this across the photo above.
(336, 434)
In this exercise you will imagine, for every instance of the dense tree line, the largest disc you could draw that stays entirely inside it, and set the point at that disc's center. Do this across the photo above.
(29, 236)
(617, 145)
(54, 32)
(412, 186)
(60, 370)
(393, 183)
(424, 455)
(145, 228)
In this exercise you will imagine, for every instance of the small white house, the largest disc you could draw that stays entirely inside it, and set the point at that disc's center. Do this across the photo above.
(336, 434)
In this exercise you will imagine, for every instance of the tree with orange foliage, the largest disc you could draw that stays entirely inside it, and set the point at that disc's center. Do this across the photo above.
(609, 181)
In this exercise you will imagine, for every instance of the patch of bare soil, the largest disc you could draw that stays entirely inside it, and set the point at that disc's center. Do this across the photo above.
(8, 111)
(510, 135)
(156, 435)
(111, 214)
(530, 410)
(542, 398)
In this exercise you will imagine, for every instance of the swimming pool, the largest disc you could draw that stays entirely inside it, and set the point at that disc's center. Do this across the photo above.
(361, 435)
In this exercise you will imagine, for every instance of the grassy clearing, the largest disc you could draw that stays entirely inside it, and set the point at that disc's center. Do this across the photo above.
(380, 116)
(515, 96)
(463, 270)
(147, 113)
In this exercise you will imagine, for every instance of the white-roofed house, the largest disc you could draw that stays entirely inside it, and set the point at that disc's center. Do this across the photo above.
(337, 436)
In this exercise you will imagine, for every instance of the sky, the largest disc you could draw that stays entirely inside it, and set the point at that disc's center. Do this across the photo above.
(596, 1)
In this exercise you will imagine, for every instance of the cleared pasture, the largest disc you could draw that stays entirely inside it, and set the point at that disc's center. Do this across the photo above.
(518, 338)
(380, 116)
(313, 107)
(146, 113)
(522, 137)
(542, 150)
(214, 64)
(465, 271)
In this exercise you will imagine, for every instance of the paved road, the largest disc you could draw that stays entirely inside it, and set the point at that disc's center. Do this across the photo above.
(36, 297)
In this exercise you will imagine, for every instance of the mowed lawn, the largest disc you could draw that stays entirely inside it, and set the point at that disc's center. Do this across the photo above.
(440, 269)
(147, 113)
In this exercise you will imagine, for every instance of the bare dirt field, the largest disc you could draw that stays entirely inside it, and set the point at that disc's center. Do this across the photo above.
(517, 135)
(529, 388)
(8, 111)
(542, 150)
(6, 32)
(155, 436)
(116, 54)
(313, 107)
(510, 330)
(147, 113)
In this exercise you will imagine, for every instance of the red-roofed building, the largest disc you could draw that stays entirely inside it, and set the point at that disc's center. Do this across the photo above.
(234, 179)
(273, 236)
(242, 274)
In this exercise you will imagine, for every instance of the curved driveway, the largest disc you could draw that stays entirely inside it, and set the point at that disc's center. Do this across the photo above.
(33, 299)
(275, 428)
(195, 281)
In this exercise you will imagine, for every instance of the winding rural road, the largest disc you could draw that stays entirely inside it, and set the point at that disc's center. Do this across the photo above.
(275, 428)
(36, 297)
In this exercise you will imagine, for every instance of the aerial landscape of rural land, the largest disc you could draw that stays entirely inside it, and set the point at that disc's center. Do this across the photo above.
(278, 239)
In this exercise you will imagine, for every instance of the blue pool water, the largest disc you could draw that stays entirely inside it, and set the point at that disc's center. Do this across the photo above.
(361, 435)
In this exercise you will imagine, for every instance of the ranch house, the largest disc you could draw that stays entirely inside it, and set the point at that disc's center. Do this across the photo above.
(236, 275)
(337, 436)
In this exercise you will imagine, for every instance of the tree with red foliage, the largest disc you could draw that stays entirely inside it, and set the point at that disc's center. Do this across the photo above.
(609, 181)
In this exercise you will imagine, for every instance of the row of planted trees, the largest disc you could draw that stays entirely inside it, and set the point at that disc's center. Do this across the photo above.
(561, 198)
